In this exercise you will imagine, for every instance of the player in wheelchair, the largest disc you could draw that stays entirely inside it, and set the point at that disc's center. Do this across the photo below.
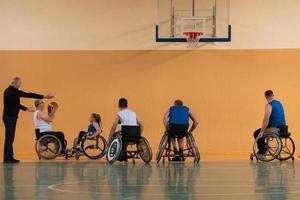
(176, 122)
(130, 136)
(49, 143)
(89, 143)
(273, 140)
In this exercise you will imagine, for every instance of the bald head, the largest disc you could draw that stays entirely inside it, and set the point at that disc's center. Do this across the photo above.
(16, 82)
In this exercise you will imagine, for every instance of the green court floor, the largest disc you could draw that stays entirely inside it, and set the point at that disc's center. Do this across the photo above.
(97, 180)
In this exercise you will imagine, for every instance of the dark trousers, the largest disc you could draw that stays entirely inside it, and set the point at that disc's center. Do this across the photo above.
(10, 124)
(60, 135)
(80, 136)
(261, 145)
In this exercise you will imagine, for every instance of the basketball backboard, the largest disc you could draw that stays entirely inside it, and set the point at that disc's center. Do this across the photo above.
(211, 17)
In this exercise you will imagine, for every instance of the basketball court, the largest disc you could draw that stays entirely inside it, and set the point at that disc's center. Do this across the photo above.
(94, 180)
(109, 84)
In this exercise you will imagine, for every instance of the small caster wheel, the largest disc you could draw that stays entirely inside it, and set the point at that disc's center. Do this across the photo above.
(293, 158)
(133, 160)
(251, 156)
(163, 160)
(40, 158)
(77, 155)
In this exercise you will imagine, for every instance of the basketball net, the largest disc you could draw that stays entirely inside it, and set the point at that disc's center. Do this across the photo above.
(192, 39)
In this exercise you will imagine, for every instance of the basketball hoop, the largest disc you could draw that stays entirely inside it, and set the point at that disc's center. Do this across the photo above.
(192, 38)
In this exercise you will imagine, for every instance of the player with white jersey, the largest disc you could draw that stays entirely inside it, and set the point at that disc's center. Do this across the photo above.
(125, 117)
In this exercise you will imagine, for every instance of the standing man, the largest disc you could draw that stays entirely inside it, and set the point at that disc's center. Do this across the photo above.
(11, 100)
(274, 120)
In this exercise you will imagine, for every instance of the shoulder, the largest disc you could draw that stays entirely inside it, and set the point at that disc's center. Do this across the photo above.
(94, 124)
(132, 112)
(268, 107)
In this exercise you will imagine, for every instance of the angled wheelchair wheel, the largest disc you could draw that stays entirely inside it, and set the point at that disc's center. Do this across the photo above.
(272, 147)
(192, 143)
(162, 147)
(48, 147)
(94, 148)
(288, 149)
(144, 150)
(114, 149)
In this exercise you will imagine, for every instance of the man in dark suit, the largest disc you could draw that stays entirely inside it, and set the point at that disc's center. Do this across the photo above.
(12, 105)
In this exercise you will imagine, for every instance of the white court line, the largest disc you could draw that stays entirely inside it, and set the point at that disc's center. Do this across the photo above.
(53, 188)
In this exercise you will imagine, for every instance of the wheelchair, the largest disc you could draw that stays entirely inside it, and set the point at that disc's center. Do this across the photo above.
(129, 136)
(165, 150)
(48, 146)
(277, 146)
(93, 148)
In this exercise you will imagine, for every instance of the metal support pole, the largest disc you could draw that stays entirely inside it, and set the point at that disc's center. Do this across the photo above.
(193, 8)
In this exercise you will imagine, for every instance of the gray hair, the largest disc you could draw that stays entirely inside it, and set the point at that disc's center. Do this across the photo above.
(15, 80)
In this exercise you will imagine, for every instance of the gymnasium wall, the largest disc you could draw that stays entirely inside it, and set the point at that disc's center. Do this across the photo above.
(224, 89)
(129, 25)
(223, 86)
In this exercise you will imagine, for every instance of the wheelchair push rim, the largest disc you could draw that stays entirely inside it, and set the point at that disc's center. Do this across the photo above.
(162, 147)
(288, 149)
(194, 148)
(114, 149)
(144, 150)
(273, 146)
(48, 147)
(94, 148)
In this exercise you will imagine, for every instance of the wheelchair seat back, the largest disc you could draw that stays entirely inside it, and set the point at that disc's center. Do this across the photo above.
(178, 129)
(131, 133)
(37, 133)
(284, 132)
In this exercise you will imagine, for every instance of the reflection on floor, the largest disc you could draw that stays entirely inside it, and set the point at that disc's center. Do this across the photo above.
(98, 180)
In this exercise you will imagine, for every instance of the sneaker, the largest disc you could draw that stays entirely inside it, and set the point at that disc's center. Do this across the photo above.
(176, 158)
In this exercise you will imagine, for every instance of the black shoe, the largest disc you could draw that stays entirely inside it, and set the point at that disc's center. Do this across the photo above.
(11, 160)
(176, 158)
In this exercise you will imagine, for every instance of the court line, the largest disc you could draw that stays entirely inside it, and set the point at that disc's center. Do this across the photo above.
(53, 188)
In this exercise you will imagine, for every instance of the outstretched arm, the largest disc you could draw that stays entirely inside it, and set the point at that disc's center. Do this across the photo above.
(24, 108)
(114, 127)
(34, 95)
(195, 122)
(268, 111)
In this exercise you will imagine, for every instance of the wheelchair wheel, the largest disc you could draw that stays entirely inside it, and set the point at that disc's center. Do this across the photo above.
(94, 148)
(194, 147)
(144, 150)
(162, 147)
(114, 149)
(48, 147)
(272, 148)
(288, 149)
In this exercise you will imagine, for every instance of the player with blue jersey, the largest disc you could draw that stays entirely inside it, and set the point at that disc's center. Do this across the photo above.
(178, 116)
